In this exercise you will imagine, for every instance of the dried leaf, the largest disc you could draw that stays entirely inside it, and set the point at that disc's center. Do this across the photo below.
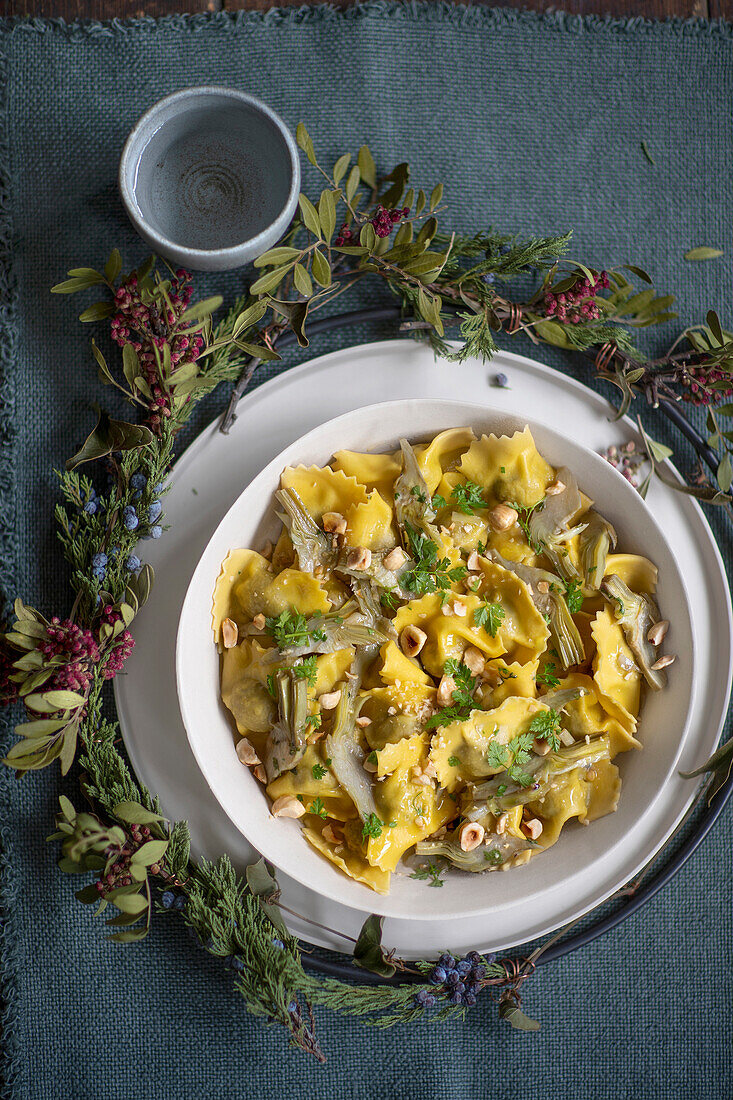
(110, 435)
(368, 951)
(703, 253)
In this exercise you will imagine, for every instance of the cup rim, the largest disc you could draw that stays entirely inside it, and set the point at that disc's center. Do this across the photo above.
(132, 152)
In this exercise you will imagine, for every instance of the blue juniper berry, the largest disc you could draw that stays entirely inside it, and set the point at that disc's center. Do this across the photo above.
(424, 999)
(154, 511)
(99, 565)
(501, 381)
(132, 563)
(129, 518)
(138, 480)
(460, 979)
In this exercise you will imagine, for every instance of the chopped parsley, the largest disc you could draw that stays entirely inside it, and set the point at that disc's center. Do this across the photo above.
(328, 761)
(438, 502)
(290, 628)
(489, 616)
(494, 856)
(372, 757)
(318, 771)
(307, 670)
(271, 686)
(316, 807)
(429, 573)
(419, 494)
(548, 675)
(519, 747)
(475, 584)
(388, 598)
(314, 721)
(573, 596)
(468, 497)
(431, 872)
(372, 827)
(454, 762)
(546, 726)
(480, 547)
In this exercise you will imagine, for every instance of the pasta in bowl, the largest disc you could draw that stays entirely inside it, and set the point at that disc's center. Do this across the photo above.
(440, 655)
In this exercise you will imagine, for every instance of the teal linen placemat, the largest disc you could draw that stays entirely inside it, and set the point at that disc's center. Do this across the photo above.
(534, 123)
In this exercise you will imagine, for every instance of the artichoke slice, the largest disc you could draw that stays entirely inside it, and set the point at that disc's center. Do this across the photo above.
(344, 748)
(563, 631)
(543, 770)
(550, 525)
(313, 546)
(286, 741)
(489, 856)
(636, 613)
(596, 541)
(412, 501)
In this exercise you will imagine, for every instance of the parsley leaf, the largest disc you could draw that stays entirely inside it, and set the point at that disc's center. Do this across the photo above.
(317, 807)
(546, 727)
(271, 686)
(573, 596)
(419, 494)
(497, 755)
(306, 670)
(468, 497)
(290, 628)
(429, 573)
(524, 515)
(438, 502)
(314, 721)
(548, 675)
(462, 695)
(432, 872)
(489, 616)
(372, 827)
(318, 771)
(454, 762)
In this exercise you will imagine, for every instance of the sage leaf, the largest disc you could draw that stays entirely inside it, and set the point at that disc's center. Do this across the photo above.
(368, 952)
(150, 852)
(703, 253)
(132, 813)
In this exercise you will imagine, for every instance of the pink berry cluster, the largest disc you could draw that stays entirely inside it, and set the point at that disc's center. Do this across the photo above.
(699, 381)
(576, 304)
(383, 221)
(626, 459)
(119, 872)
(150, 324)
(123, 648)
(77, 648)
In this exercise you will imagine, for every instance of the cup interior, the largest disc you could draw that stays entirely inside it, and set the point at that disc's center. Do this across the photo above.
(209, 170)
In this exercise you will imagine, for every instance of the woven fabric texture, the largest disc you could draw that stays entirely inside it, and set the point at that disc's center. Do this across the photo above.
(534, 123)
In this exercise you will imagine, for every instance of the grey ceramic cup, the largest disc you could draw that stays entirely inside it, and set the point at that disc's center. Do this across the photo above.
(210, 178)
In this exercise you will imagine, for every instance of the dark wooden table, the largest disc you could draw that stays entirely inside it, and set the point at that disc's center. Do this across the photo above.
(108, 9)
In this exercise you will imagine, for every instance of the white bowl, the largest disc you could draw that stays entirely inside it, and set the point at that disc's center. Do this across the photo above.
(249, 522)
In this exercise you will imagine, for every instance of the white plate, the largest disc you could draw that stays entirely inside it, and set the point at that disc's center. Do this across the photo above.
(249, 522)
(210, 476)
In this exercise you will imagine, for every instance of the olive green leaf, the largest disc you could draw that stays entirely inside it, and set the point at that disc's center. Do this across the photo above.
(113, 266)
(327, 213)
(367, 167)
(263, 885)
(110, 435)
(276, 256)
(339, 168)
(270, 280)
(302, 281)
(368, 951)
(97, 312)
(200, 310)
(511, 1011)
(309, 215)
(305, 142)
(321, 269)
(703, 253)
(132, 813)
